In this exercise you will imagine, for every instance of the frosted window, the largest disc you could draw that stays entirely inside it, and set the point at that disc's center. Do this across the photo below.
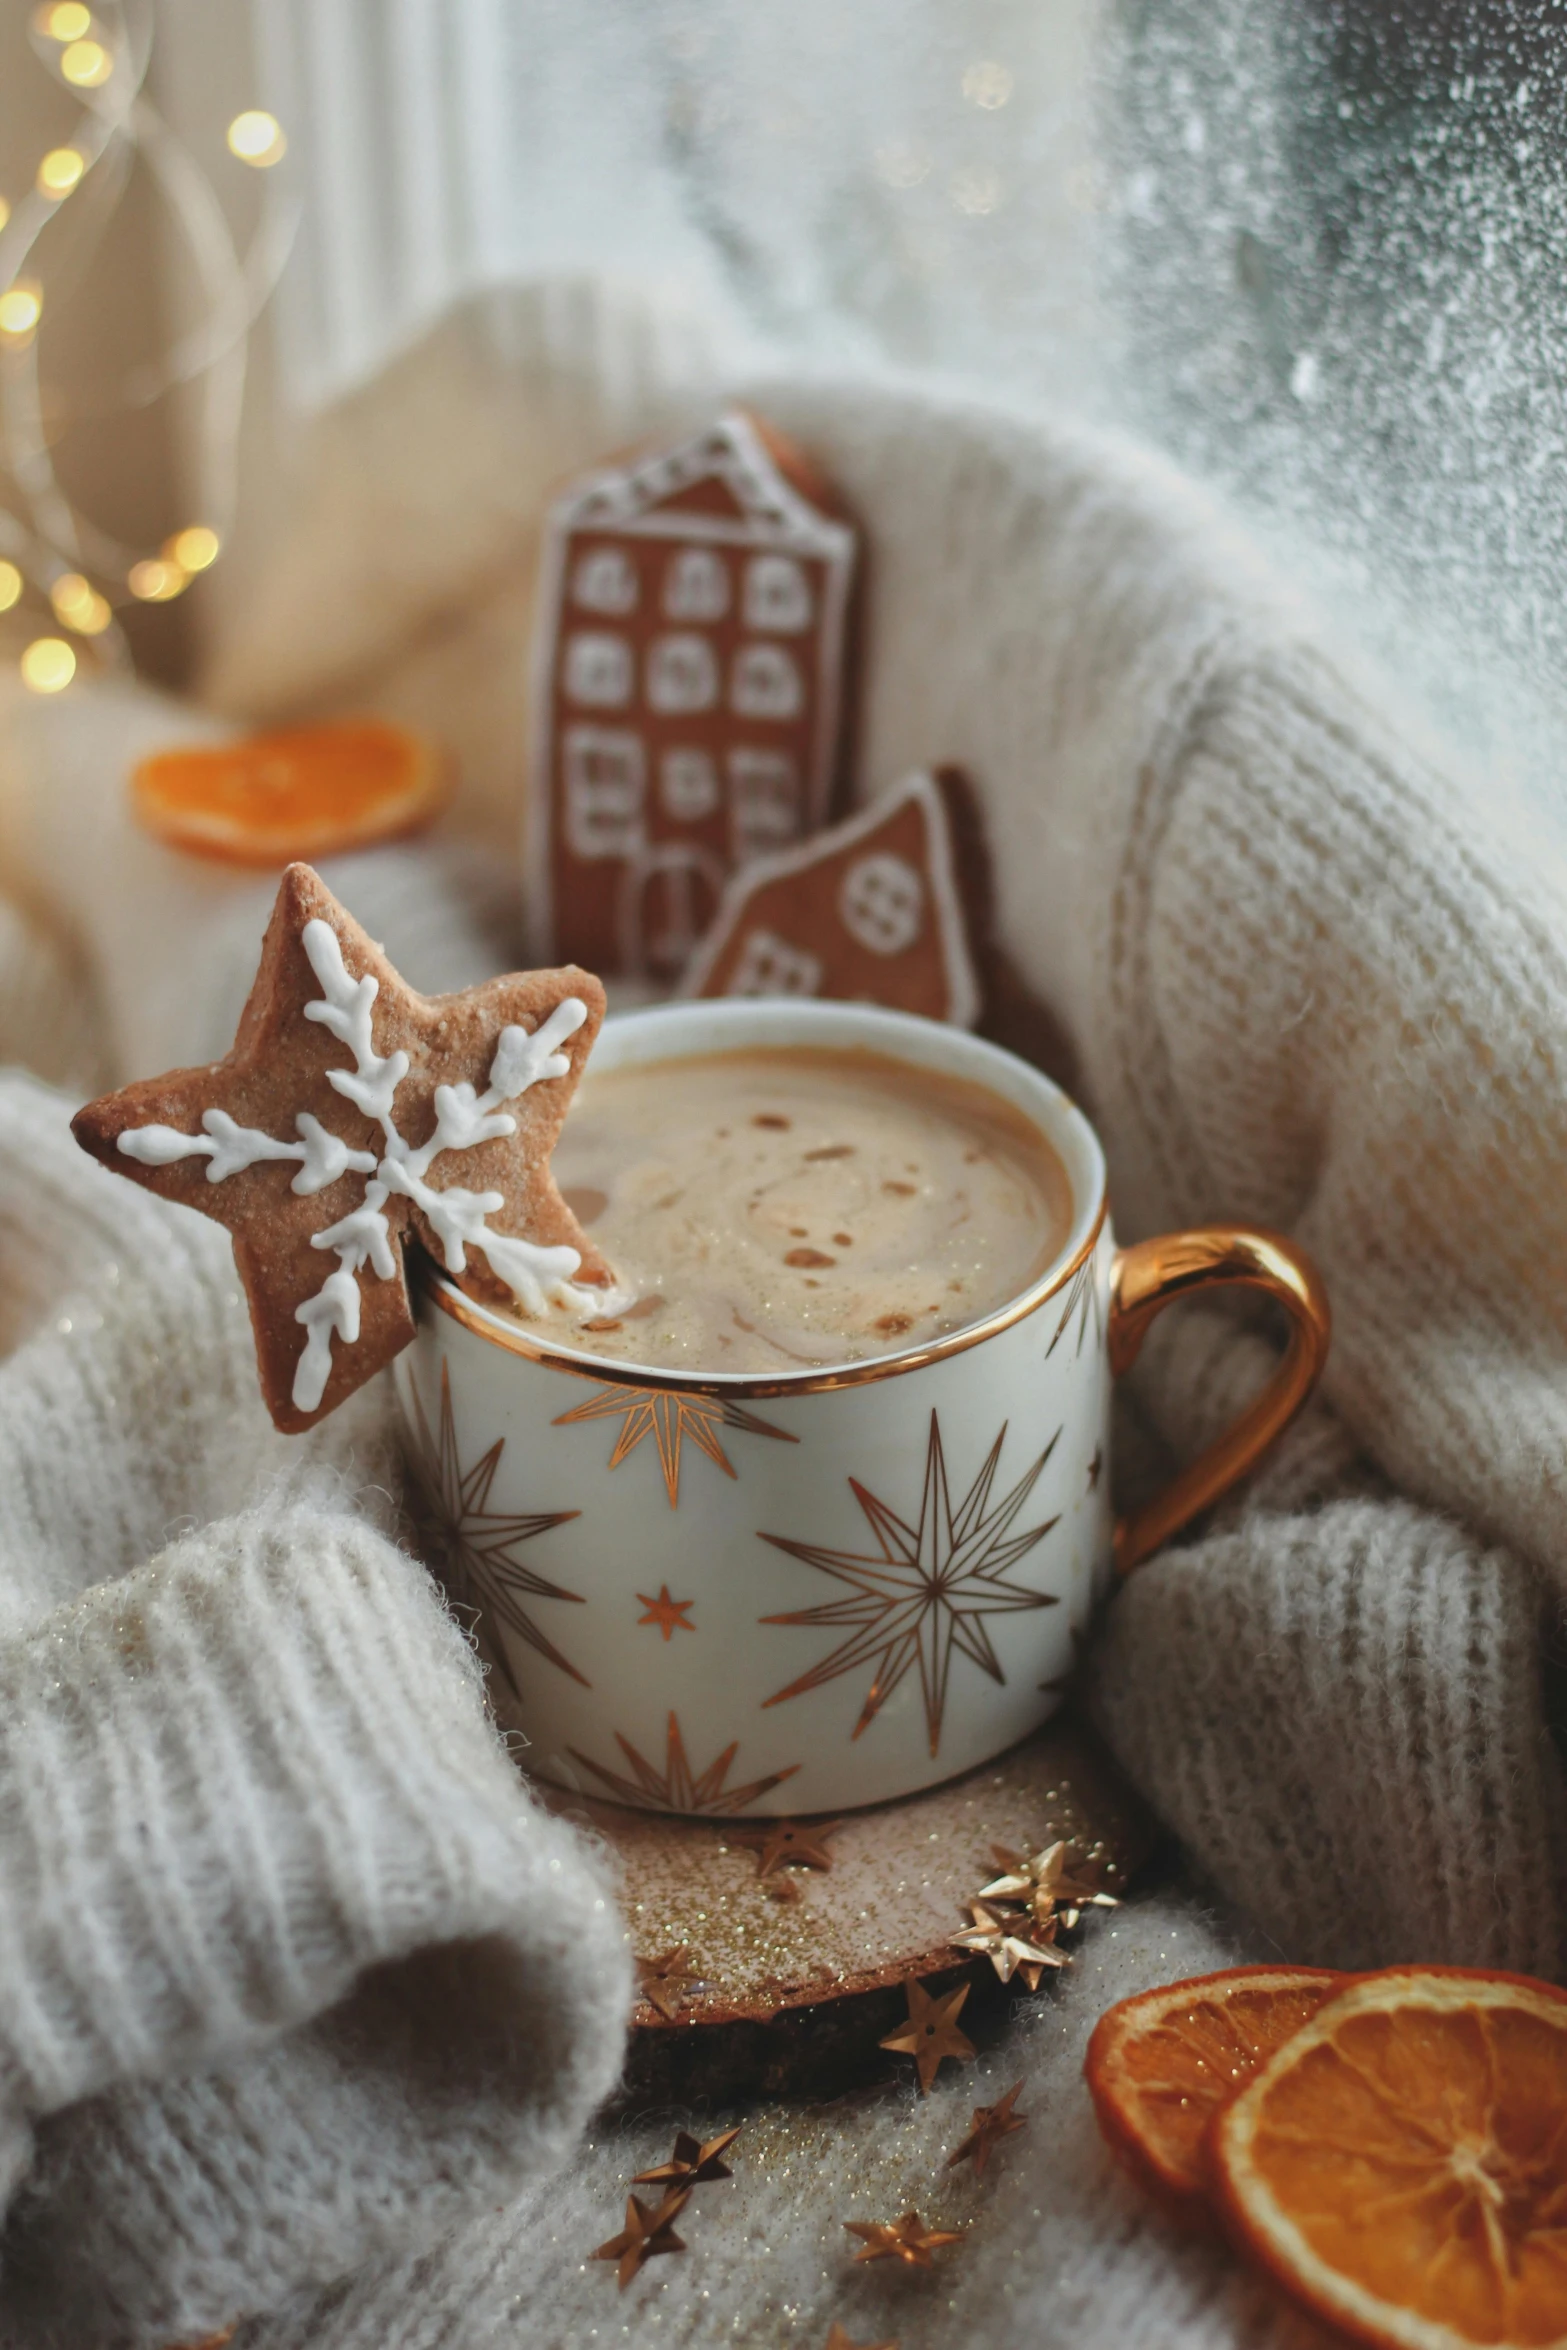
(606, 778)
(598, 670)
(605, 580)
(682, 674)
(696, 585)
(1314, 248)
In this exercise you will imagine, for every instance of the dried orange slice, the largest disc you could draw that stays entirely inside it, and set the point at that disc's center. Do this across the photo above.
(1400, 2164)
(1159, 2066)
(303, 792)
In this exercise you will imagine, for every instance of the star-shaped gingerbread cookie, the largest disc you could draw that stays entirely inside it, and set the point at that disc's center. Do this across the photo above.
(353, 1116)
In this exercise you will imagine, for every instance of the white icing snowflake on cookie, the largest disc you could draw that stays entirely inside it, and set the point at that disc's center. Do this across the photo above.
(397, 1093)
(463, 1118)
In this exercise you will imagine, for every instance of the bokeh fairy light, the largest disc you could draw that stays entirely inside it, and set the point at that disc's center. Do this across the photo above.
(59, 565)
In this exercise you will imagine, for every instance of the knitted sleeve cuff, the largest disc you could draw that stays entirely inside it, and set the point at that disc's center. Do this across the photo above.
(231, 1782)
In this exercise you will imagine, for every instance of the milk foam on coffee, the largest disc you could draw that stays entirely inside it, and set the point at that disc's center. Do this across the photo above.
(781, 1210)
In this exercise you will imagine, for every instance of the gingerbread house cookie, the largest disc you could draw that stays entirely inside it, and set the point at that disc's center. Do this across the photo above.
(868, 912)
(688, 689)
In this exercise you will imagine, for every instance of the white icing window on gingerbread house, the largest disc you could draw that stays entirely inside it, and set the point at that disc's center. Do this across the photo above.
(764, 802)
(682, 674)
(766, 683)
(606, 784)
(688, 785)
(769, 965)
(605, 580)
(599, 670)
(777, 595)
(882, 903)
(696, 585)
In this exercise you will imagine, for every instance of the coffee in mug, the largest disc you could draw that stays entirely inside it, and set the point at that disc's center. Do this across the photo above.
(793, 1209)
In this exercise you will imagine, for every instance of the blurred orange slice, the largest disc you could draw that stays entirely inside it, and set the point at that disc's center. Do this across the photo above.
(1400, 2163)
(303, 792)
(1160, 2066)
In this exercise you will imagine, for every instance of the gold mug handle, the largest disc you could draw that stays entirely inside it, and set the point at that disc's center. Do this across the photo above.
(1153, 1274)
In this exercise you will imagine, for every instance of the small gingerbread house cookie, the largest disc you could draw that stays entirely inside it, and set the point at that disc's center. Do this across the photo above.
(868, 912)
(688, 689)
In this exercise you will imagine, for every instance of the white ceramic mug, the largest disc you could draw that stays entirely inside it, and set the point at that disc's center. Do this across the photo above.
(730, 1594)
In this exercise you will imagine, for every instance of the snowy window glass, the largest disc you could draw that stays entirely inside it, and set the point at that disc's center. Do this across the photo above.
(1313, 248)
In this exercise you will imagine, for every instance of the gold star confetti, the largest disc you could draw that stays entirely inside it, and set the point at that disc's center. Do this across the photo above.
(907, 2239)
(931, 2033)
(693, 2162)
(663, 1980)
(1047, 1886)
(1014, 1945)
(783, 1889)
(992, 2123)
(784, 1844)
(645, 2233)
(837, 2339)
(668, 1614)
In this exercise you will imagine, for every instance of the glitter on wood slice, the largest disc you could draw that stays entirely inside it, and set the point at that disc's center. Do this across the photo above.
(796, 1995)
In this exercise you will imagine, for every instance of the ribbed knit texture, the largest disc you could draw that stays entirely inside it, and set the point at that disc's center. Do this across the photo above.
(292, 1973)
(1307, 980)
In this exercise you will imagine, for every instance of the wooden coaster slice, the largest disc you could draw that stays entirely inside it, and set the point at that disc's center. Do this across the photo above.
(688, 688)
(868, 912)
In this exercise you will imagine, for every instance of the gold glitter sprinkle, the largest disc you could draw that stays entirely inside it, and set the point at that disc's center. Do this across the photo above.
(901, 1875)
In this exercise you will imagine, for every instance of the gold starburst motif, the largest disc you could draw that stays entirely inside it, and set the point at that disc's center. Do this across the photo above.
(670, 1420)
(929, 1589)
(677, 1787)
(473, 1548)
(1083, 1300)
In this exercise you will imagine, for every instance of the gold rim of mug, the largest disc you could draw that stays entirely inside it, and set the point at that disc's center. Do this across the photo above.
(486, 1324)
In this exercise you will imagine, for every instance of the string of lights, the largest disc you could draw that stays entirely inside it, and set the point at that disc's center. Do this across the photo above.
(54, 557)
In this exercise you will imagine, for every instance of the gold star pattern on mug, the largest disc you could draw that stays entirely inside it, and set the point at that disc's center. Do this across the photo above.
(1083, 1300)
(474, 1548)
(783, 1844)
(927, 1590)
(907, 2240)
(663, 1980)
(669, 1615)
(670, 1420)
(694, 2162)
(677, 1787)
(992, 2123)
(931, 2035)
(648, 2230)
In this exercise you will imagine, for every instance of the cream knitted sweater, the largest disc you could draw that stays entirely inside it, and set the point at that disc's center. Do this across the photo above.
(291, 1971)
(1307, 980)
